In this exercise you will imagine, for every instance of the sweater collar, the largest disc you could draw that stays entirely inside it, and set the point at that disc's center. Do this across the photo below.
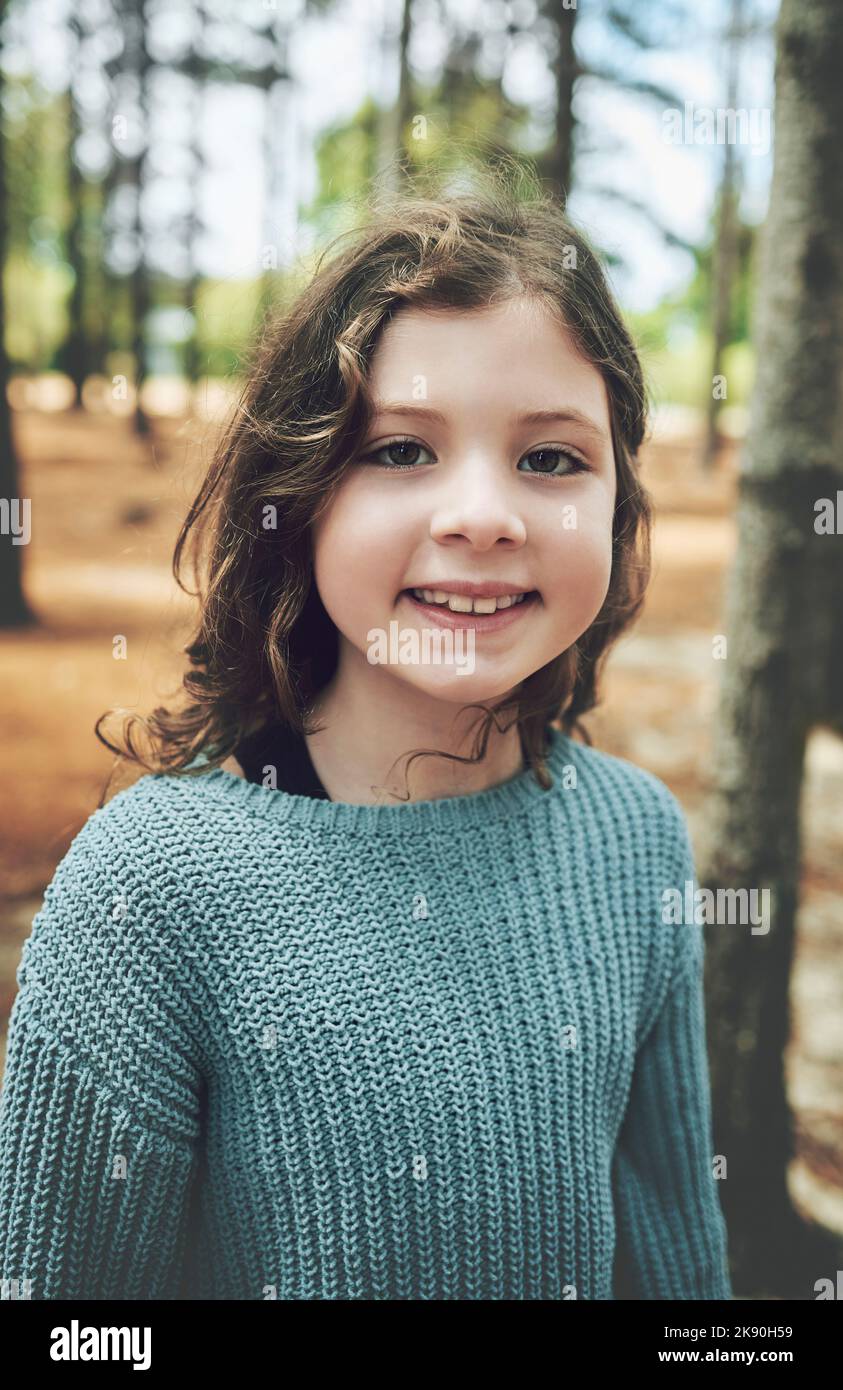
(444, 813)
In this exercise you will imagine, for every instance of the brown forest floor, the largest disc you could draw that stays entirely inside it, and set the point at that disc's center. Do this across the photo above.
(105, 512)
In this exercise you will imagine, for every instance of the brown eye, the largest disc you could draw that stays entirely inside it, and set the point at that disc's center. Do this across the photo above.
(400, 454)
(548, 459)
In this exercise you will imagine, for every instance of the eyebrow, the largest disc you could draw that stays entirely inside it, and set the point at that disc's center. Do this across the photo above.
(568, 415)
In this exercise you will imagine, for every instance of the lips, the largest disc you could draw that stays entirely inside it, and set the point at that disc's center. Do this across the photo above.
(441, 615)
(489, 589)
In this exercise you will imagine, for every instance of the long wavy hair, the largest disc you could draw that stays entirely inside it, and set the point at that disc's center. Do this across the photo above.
(265, 646)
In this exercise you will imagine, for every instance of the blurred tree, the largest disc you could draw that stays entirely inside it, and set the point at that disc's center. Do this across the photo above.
(135, 18)
(726, 246)
(557, 164)
(394, 117)
(561, 161)
(458, 68)
(36, 213)
(192, 345)
(346, 154)
(698, 296)
(783, 625)
(463, 112)
(277, 84)
(14, 611)
(75, 357)
(266, 67)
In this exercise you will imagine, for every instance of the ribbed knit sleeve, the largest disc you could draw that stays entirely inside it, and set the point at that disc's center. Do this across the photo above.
(671, 1235)
(99, 1107)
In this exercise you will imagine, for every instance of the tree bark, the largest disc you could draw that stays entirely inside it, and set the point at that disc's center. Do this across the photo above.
(392, 123)
(14, 610)
(726, 247)
(140, 289)
(559, 164)
(780, 621)
(74, 355)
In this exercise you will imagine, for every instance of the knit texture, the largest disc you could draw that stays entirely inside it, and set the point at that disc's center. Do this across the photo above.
(270, 1046)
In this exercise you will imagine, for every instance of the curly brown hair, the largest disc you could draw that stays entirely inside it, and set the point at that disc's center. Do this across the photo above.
(265, 646)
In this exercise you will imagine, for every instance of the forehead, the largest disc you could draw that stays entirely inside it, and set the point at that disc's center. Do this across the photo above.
(515, 353)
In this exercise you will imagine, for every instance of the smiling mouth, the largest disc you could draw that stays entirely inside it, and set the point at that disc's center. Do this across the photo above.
(467, 603)
(463, 610)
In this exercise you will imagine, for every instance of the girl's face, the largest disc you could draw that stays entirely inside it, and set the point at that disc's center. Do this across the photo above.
(457, 487)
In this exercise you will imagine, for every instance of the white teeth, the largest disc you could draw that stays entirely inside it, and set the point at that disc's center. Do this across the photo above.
(464, 603)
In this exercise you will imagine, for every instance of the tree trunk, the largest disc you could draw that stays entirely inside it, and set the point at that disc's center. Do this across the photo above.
(726, 247)
(774, 683)
(277, 103)
(393, 119)
(74, 355)
(405, 77)
(140, 290)
(14, 611)
(558, 166)
(192, 349)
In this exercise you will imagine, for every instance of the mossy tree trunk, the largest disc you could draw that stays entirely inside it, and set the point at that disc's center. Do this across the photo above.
(783, 617)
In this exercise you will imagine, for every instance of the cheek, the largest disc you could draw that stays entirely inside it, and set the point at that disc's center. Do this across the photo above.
(357, 550)
(581, 567)
(336, 560)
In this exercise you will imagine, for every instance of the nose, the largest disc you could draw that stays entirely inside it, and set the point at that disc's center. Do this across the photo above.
(478, 504)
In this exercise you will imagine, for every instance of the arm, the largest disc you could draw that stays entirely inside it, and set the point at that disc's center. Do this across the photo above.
(671, 1236)
(99, 1107)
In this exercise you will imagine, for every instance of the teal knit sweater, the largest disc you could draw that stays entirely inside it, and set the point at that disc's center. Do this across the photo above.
(267, 1046)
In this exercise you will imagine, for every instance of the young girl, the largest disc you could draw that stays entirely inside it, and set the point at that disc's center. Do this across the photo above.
(292, 1024)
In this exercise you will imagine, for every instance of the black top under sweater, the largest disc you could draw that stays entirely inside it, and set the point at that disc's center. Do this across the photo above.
(283, 748)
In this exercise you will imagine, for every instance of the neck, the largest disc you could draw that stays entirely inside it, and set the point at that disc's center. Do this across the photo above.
(369, 720)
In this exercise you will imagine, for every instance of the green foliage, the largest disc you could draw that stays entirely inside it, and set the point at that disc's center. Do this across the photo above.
(676, 356)
(445, 132)
(35, 127)
(225, 315)
(36, 313)
(675, 338)
(700, 293)
(451, 125)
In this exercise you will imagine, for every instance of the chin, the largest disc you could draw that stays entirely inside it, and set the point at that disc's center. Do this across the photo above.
(477, 686)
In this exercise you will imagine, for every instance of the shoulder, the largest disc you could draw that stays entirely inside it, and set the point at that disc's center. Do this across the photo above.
(104, 970)
(623, 795)
(132, 850)
(141, 859)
